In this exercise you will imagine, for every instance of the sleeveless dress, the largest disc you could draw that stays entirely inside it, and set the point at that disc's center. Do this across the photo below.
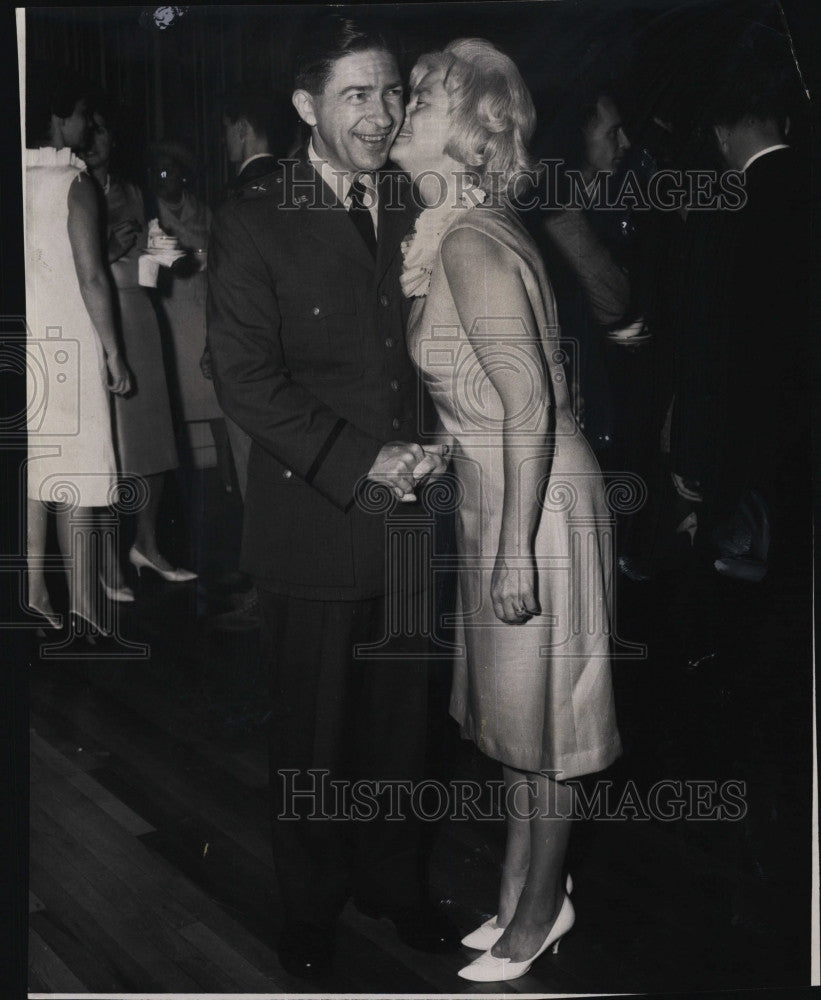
(536, 696)
(68, 412)
(144, 431)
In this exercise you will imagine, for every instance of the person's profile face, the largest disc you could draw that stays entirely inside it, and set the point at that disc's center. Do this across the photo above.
(605, 141)
(420, 143)
(233, 139)
(77, 126)
(98, 150)
(356, 117)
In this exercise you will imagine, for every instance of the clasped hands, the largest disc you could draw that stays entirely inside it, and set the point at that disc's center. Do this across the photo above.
(401, 466)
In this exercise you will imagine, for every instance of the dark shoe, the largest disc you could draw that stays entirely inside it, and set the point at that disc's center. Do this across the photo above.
(305, 950)
(244, 617)
(423, 926)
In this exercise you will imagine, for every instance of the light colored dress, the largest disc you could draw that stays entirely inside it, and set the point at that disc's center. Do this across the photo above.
(538, 695)
(144, 431)
(68, 416)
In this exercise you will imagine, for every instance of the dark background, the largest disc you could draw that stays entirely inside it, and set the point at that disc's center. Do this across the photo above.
(664, 55)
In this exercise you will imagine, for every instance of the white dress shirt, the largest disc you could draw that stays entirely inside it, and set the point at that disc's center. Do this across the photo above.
(245, 163)
(763, 152)
(340, 183)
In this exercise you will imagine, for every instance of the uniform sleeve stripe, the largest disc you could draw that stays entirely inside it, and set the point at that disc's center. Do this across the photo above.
(322, 454)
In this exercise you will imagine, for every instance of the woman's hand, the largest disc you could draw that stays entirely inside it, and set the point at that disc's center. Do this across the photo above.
(119, 376)
(122, 238)
(513, 590)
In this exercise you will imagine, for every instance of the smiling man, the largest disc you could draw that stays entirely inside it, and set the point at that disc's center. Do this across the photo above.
(306, 327)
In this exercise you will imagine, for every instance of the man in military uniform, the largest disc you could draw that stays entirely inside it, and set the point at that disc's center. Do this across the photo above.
(307, 334)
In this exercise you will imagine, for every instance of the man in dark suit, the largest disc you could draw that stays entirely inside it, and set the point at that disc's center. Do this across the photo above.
(744, 405)
(306, 330)
(248, 121)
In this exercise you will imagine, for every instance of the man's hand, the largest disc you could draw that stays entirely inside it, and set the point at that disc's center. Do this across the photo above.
(394, 466)
(205, 364)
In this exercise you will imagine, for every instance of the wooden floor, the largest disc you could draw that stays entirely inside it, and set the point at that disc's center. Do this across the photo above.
(150, 868)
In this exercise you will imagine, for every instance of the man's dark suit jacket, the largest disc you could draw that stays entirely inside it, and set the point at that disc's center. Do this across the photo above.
(307, 336)
(260, 167)
(742, 396)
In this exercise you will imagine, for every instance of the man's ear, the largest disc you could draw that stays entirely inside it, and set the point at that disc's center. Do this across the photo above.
(304, 104)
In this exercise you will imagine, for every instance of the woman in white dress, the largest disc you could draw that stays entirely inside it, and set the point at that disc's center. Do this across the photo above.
(533, 688)
(73, 360)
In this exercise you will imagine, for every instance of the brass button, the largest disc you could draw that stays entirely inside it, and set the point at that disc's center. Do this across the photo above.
(396, 423)
(384, 300)
(388, 341)
(315, 310)
(395, 385)
(287, 474)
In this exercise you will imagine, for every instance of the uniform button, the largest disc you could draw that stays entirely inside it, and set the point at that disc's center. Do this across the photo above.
(315, 310)
(396, 423)
(287, 474)
(388, 341)
(395, 385)
(384, 300)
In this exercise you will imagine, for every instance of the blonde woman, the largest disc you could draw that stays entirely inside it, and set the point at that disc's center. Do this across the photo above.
(534, 687)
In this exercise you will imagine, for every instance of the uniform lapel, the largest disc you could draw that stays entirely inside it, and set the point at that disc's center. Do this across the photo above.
(395, 218)
(322, 214)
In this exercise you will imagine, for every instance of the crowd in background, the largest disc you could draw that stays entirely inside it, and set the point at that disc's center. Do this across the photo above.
(684, 329)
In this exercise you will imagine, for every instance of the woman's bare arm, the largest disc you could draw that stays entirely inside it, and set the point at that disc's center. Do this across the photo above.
(84, 236)
(494, 310)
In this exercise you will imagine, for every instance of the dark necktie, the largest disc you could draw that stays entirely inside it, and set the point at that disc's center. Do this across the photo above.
(361, 216)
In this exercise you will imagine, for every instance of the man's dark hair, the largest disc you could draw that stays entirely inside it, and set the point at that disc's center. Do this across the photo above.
(758, 81)
(329, 38)
(574, 109)
(256, 107)
(50, 90)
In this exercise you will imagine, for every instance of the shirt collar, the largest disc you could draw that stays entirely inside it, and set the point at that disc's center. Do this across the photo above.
(763, 152)
(245, 163)
(337, 181)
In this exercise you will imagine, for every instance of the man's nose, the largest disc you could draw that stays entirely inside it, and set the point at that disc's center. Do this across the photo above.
(624, 142)
(380, 113)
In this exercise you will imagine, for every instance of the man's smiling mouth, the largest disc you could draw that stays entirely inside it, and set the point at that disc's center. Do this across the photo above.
(373, 140)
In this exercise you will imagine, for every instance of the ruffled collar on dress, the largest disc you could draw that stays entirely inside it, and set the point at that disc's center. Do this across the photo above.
(422, 244)
(48, 156)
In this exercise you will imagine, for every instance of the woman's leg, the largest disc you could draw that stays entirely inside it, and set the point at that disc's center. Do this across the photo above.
(80, 545)
(146, 537)
(551, 817)
(517, 847)
(36, 529)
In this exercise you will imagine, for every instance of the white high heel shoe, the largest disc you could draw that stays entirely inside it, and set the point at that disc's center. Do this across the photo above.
(488, 934)
(489, 969)
(125, 595)
(140, 562)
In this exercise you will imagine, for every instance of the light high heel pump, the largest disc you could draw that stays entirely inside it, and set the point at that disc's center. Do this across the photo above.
(125, 595)
(489, 969)
(140, 562)
(488, 934)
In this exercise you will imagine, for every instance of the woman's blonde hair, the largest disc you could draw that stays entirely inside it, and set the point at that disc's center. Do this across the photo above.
(490, 107)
